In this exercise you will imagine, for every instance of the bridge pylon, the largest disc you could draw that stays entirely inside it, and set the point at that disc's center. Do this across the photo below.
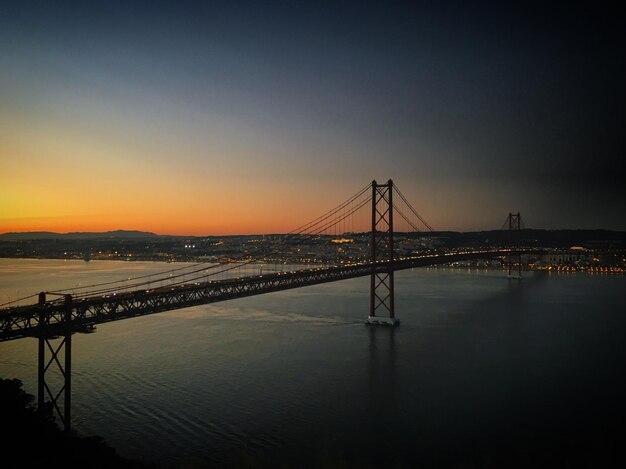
(514, 262)
(381, 245)
(58, 345)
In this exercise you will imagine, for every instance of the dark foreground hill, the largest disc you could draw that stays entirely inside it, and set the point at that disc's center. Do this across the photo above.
(31, 438)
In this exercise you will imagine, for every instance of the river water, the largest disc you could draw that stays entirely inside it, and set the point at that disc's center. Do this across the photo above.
(483, 372)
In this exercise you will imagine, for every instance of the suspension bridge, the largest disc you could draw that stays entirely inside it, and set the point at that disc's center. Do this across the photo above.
(54, 316)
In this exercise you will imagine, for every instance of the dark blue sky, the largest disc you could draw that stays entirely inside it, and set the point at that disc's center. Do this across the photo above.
(475, 110)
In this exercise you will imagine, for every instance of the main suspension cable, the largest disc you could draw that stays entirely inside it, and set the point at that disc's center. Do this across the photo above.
(412, 208)
(323, 219)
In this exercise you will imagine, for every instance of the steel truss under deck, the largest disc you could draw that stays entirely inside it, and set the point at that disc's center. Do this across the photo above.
(52, 319)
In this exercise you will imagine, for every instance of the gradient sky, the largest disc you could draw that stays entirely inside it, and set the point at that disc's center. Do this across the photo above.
(228, 117)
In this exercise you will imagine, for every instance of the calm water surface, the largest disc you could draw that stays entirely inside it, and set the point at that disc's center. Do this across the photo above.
(483, 371)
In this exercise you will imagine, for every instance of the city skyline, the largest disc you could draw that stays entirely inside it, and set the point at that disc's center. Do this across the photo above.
(201, 119)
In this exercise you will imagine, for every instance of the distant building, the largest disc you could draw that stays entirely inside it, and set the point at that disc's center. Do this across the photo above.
(570, 257)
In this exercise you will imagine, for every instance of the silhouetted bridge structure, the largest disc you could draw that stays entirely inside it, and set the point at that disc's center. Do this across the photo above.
(52, 319)
(67, 313)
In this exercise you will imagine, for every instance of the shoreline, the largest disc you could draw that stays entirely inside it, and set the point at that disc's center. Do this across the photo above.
(611, 270)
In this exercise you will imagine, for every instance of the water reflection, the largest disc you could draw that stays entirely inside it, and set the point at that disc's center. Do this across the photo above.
(478, 363)
(382, 365)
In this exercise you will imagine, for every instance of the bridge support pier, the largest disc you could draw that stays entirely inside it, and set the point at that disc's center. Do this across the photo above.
(58, 389)
(381, 244)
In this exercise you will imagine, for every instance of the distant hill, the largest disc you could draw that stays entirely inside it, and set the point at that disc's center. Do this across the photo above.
(117, 234)
(547, 238)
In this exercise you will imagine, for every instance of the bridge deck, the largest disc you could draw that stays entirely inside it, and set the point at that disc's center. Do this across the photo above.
(51, 319)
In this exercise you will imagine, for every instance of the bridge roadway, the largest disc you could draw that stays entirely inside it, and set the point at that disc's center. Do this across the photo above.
(52, 319)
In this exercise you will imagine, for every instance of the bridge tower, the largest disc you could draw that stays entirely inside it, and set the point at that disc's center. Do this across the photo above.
(514, 221)
(381, 245)
(59, 391)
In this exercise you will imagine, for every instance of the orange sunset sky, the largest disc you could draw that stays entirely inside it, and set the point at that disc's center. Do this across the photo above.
(226, 121)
